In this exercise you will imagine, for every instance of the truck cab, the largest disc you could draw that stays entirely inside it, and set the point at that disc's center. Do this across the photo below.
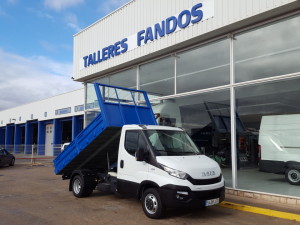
(162, 167)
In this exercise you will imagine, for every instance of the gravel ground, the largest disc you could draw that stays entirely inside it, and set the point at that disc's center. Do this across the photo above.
(35, 195)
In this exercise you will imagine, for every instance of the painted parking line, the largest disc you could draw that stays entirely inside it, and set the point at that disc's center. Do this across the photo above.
(262, 211)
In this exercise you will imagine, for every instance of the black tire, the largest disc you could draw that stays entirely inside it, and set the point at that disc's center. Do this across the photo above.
(12, 162)
(292, 175)
(152, 204)
(81, 187)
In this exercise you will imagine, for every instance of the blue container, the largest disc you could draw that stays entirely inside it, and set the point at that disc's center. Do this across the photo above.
(90, 149)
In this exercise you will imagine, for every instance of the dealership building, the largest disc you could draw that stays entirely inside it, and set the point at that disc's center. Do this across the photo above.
(46, 124)
(223, 70)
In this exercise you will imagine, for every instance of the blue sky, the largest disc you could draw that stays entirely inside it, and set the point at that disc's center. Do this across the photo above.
(36, 45)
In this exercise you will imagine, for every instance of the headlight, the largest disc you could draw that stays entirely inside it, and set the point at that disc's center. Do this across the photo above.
(175, 173)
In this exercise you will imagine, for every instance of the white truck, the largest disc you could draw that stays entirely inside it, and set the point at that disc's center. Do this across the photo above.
(159, 165)
(279, 146)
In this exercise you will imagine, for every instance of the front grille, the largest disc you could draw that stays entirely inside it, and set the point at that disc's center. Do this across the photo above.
(204, 181)
(210, 194)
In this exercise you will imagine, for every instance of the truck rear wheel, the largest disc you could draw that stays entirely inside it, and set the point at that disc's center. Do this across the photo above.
(292, 175)
(152, 204)
(80, 187)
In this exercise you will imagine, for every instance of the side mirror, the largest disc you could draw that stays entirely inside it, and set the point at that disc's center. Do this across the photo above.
(139, 154)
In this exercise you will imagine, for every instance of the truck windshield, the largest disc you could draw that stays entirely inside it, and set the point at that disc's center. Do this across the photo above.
(171, 143)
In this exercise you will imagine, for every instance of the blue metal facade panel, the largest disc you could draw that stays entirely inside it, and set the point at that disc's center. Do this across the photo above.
(18, 139)
(76, 125)
(28, 138)
(9, 137)
(41, 137)
(2, 136)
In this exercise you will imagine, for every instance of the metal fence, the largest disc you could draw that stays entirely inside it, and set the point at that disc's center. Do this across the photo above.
(39, 150)
(33, 154)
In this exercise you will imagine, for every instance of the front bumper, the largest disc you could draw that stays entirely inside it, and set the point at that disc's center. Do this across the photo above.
(179, 196)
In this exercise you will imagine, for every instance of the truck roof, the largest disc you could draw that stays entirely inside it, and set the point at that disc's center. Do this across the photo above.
(150, 127)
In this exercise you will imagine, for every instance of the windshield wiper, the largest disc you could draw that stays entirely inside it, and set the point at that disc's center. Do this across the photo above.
(193, 153)
(178, 153)
(168, 152)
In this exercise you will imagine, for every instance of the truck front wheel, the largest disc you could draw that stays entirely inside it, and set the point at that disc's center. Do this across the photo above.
(80, 187)
(152, 204)
(292, 175)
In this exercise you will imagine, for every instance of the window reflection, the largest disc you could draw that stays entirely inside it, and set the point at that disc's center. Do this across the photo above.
(271, 116)
(157, 78)
(203, 67)
(268, 51)
(125, 79)
(91, 101)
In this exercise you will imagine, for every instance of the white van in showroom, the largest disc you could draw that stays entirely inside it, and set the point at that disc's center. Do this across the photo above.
(279, 143)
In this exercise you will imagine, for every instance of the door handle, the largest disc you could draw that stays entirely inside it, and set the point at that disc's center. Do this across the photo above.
(122, 163)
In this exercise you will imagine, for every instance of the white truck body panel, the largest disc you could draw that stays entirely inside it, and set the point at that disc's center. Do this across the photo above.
(194, 165)
(279, 138)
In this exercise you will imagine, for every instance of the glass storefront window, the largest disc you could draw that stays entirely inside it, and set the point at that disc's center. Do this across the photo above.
(90, 115)
(125, 79)
(204, 67)
(157, 78)
(206, 118)
(91, 101)
(103, 80)
(270, 115)
(91, 104)
(268, 51)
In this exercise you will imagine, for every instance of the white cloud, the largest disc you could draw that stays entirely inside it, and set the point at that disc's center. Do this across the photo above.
(13, 2)
(67, 47)
(47, 46)
(2, 11)
(61, 4)
(23, 80)
(40, 14)
(72, 22)
(111, 5)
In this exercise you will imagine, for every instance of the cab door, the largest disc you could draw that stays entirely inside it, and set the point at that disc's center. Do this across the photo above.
(131, 172)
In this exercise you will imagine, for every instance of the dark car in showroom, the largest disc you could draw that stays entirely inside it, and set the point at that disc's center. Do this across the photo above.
(6, 158)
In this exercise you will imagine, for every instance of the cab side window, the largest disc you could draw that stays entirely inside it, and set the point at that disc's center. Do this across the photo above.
(133, 141)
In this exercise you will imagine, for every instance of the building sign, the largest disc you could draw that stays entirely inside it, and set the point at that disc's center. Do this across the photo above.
(199, 12)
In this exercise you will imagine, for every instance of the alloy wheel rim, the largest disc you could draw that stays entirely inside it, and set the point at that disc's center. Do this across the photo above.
(151, 203)
(294, 175)
(77, 186)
